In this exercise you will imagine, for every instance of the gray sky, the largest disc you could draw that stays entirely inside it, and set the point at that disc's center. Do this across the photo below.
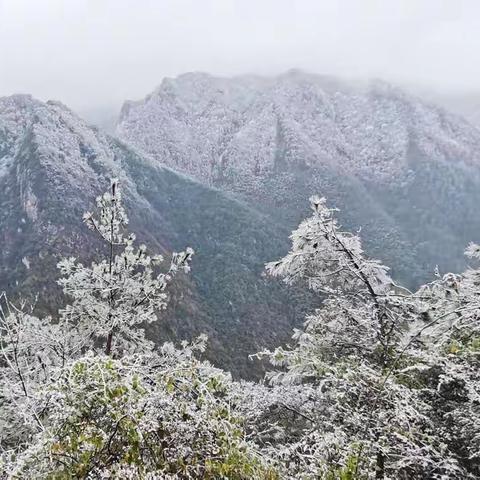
(91, 53)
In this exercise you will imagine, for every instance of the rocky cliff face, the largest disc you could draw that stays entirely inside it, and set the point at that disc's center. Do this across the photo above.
(405, 171)
(52, 165)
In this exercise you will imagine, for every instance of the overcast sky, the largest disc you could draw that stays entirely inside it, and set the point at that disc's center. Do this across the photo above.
(99, 52)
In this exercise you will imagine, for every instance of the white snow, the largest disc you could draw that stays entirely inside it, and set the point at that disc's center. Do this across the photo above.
(205, 125)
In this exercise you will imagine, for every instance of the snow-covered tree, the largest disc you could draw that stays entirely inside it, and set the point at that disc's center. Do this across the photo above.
(73, 410)
(332, 262)
(112, 298)
(110, 301)
(365, 417)
(31, 349)
(450, 355)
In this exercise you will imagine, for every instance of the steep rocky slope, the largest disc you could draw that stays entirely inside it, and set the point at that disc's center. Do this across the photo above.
(52, 165)
(404, 171)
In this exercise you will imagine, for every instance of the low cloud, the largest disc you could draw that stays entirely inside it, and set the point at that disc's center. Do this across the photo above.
(91, 53)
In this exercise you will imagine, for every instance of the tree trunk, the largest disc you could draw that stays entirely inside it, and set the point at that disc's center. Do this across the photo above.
(380, 468)
(108, 348)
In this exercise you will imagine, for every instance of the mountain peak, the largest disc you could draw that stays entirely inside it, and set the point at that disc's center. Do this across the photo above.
(48, 141)
(210, 127)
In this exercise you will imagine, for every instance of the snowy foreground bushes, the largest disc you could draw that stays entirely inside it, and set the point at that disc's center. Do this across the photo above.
(380, 383)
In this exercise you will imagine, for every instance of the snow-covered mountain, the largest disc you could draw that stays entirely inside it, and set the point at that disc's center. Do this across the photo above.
(53, 165)
(404, 170)
(218, 127)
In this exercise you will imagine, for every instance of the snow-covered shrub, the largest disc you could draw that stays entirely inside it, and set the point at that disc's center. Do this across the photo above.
(158, 416)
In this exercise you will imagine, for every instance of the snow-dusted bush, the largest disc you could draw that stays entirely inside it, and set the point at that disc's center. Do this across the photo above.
(161, 415)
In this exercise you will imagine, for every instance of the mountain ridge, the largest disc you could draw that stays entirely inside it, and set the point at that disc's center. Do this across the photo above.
(233, 187)
(345, 113)
(275, 141)
(54, 165)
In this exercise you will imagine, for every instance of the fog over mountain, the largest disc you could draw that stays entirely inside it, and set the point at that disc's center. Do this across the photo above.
(93, 55)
